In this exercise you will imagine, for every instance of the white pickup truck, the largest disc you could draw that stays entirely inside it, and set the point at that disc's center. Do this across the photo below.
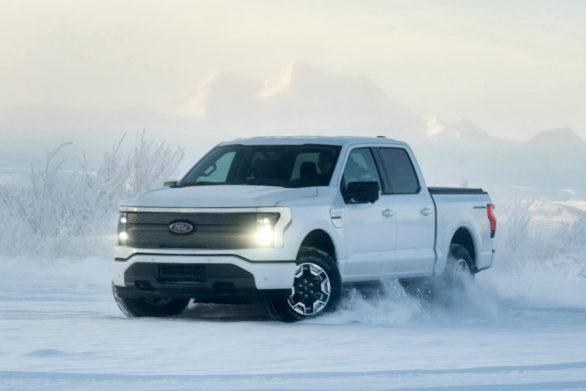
(289, 222)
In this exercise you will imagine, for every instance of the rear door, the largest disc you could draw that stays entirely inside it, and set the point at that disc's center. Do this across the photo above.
(413, 212)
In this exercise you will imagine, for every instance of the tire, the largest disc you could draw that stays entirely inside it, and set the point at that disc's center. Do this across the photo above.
(458, 266)
(315, 291)
(153, 307)
(448, 286)
(451, 287)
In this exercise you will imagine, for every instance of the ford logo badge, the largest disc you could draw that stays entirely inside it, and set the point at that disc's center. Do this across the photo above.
(181, 227)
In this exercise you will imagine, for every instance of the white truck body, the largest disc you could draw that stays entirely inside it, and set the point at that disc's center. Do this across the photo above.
(396, 236)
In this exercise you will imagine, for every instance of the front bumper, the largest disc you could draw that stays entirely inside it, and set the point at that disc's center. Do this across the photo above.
(205, 278)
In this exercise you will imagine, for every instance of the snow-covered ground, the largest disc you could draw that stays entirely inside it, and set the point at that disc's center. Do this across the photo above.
(60, 329)
(521, 326)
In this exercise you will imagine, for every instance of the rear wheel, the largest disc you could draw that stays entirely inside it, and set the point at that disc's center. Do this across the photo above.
(155, 307)
(315, 290)
(458, 267)
(451, 288)
(450, 284)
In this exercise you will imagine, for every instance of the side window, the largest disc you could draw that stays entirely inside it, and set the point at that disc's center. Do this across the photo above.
(399, 172)
(360, 167)
(218, 171)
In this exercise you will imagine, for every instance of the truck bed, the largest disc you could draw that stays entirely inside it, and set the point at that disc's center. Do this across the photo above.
(462, 209)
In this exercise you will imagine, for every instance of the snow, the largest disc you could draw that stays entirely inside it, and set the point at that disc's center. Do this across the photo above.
(458, 130)
(520, 326)
(62, 330)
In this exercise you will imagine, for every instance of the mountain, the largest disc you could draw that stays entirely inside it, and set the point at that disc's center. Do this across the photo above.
(220, 95)
(557, 137)
(302, 99)
(306, 96)
(299, 99)
(463, 152)
(463, 129)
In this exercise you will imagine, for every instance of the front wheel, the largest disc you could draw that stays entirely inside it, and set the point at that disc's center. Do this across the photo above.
(155, 307)
(315, 290)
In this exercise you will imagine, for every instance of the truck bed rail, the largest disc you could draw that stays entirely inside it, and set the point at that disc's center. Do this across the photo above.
(455, 190)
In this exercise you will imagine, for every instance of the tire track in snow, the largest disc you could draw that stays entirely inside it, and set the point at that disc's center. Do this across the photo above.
(527, 377)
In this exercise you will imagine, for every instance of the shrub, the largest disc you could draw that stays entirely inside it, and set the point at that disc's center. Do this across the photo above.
(63, 213)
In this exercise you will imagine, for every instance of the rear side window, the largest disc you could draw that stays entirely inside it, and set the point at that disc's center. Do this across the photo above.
(398, 171)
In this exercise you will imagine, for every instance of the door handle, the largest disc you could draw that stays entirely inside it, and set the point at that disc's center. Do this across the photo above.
(336, 217)
(388, 212)
(426, 211)
(336, 213)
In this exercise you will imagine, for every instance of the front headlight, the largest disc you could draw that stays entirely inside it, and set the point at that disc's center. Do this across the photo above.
(264, 234)
(122, 234)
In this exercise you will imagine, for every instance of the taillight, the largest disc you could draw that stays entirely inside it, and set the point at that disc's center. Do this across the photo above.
(491, 218)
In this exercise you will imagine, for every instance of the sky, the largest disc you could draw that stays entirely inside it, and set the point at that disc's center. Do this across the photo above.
(514, 68)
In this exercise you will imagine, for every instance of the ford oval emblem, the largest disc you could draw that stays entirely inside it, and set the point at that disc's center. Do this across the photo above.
(181, 227)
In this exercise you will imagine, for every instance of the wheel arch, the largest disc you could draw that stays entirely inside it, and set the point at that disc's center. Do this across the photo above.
(321, 240)
(464, 238)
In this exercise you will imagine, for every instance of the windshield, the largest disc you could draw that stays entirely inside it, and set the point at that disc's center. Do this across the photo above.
(267, 165)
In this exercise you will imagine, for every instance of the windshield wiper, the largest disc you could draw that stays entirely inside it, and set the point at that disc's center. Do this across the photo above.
(198, 183)
(244, 183)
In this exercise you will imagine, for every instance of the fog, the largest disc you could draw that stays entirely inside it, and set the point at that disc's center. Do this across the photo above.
(101, 101)
(515, 69)
(195, 73)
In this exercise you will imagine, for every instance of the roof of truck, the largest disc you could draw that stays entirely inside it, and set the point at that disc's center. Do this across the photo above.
(298, 140)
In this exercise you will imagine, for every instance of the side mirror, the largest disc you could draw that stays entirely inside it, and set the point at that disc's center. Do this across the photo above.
(170, 184)
(362, 192)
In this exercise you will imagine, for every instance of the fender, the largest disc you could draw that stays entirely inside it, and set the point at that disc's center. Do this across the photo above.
(333, 233)
(443, 249)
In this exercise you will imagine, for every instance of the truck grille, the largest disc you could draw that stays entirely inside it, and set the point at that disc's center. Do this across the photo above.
(211, 230)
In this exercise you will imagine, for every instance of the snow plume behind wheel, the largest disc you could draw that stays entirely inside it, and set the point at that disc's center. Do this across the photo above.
(449, 287)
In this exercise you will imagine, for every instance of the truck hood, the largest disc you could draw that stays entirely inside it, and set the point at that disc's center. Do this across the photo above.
(219, 196)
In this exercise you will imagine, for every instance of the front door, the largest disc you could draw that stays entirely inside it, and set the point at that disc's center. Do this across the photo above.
(369, 228)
